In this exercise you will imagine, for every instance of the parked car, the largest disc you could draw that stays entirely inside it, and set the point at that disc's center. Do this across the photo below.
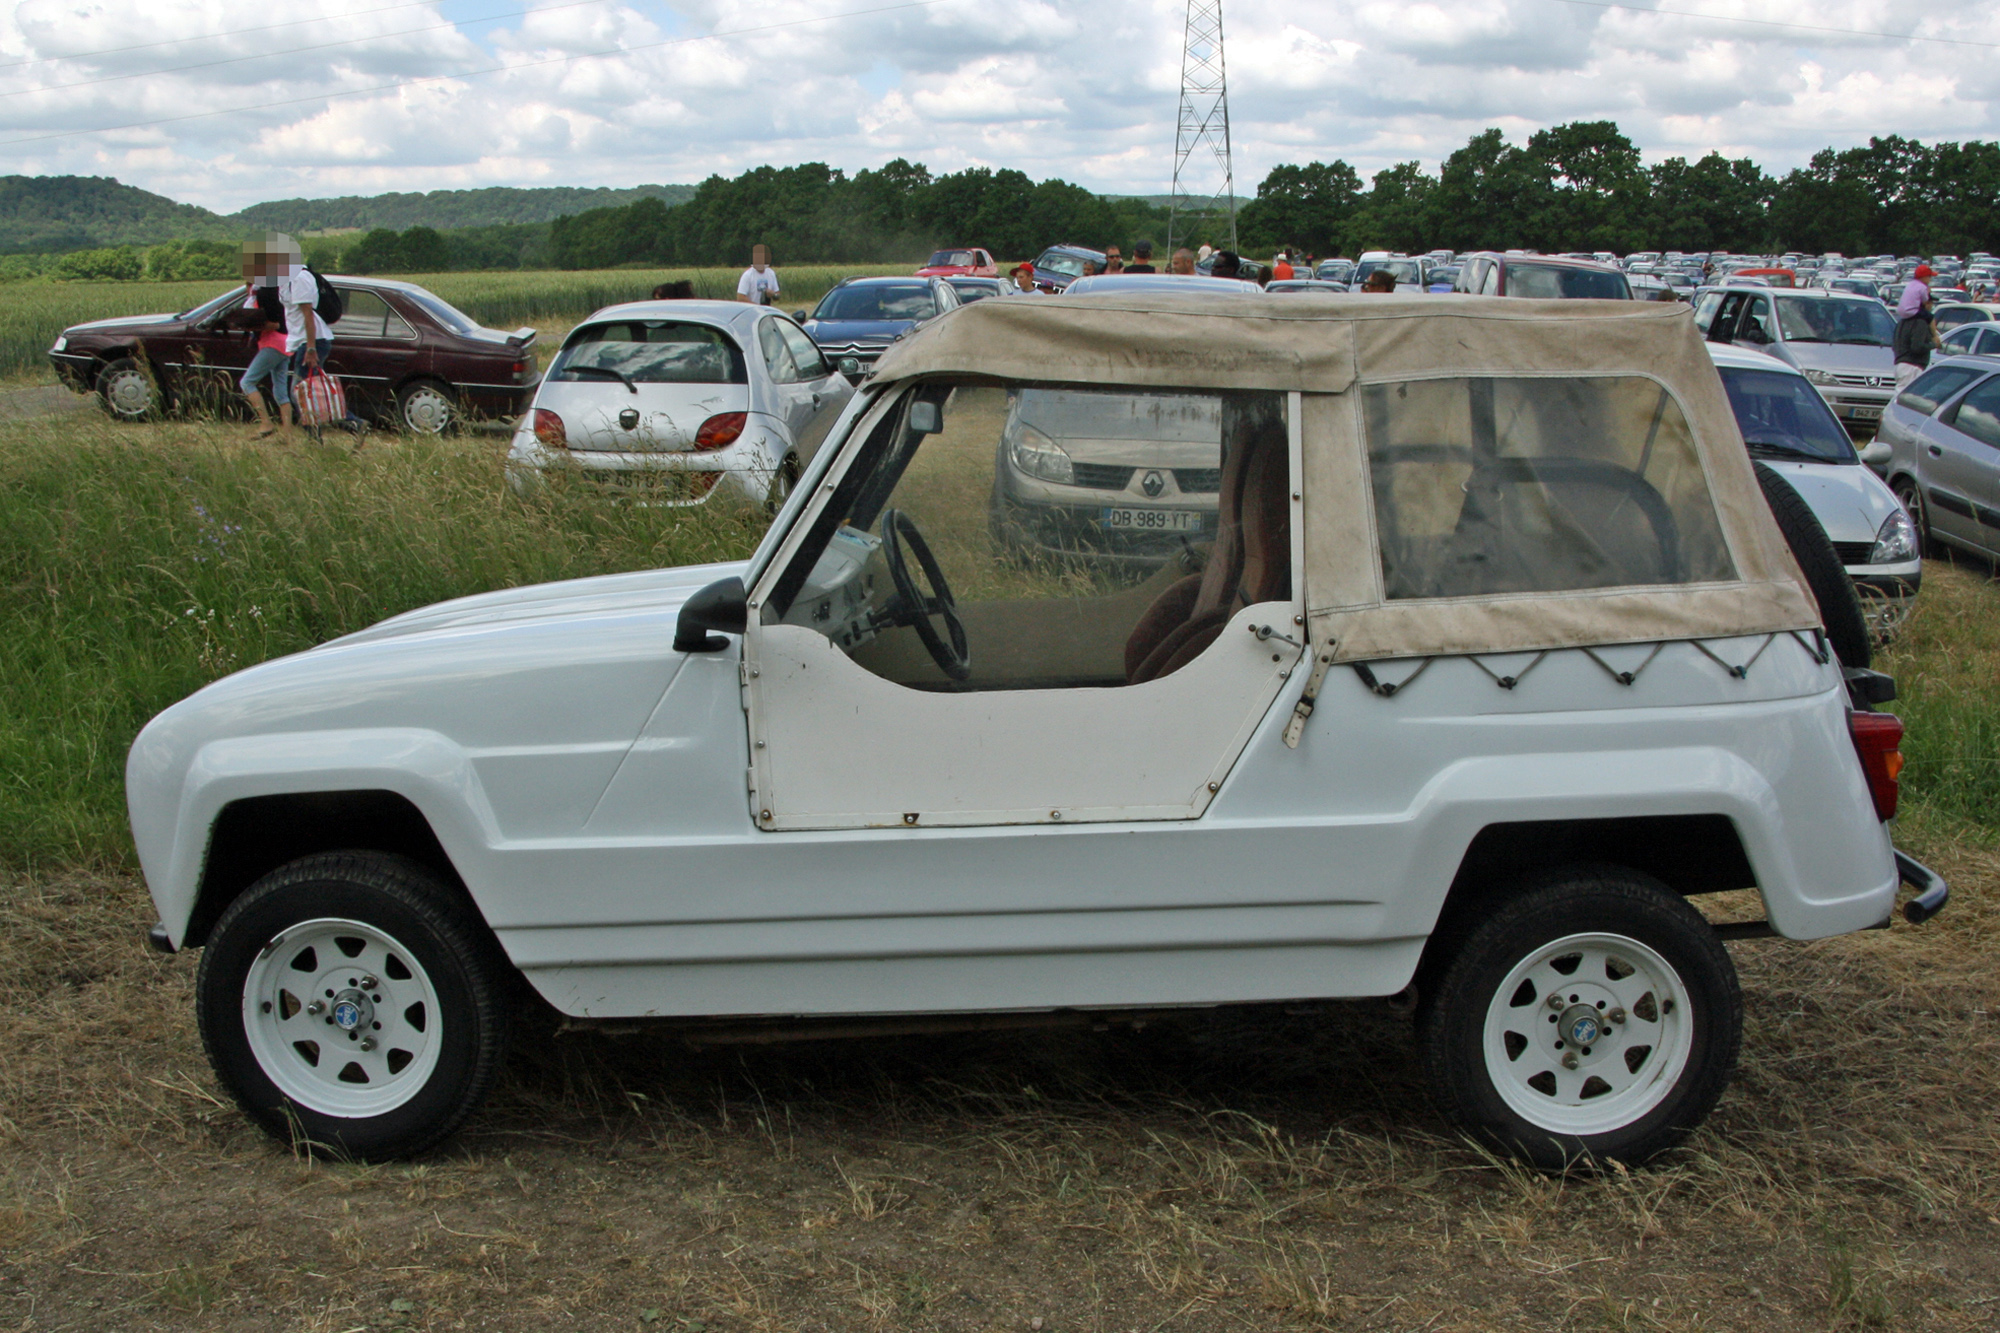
(1411, 274)
(681, 402)
(405, 356)
(968, 263)
(1333, 270)
(1949, 317)
(1943, 432)
(1317, 285)
(1127, 284)
(1842, 343)
(1982, 339)
(1493, 659)
(1060, 265)
(856, 321)
(1787, 426)
(1491, 274)
(977, 289)
(1773, 277)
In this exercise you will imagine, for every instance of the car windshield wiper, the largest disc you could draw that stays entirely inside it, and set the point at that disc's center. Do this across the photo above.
(1782, 450)
(618, 375)
(1860, 342)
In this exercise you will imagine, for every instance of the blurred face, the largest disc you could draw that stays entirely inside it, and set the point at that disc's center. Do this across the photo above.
(760, 257)
(1182, 262)
(1111, 254)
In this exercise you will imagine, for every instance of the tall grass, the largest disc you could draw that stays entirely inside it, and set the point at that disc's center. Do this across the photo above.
(33, 313)
(137, 564)
(1946, 663)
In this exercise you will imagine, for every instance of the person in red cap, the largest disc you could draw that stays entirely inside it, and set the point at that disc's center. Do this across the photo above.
(1916, 334)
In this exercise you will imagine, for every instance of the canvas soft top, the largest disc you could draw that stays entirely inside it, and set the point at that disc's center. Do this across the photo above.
(1461, 455)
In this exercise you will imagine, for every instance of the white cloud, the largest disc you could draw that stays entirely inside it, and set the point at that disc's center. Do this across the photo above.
(1054, 89)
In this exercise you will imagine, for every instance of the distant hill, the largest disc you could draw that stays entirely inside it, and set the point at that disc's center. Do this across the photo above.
(446, 209)
(48, 214)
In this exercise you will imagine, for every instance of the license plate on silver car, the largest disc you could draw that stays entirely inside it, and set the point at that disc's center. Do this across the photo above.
(1154, 520)
(1867, 414)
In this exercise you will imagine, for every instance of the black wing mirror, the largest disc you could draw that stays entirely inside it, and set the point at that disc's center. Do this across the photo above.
(722, 606)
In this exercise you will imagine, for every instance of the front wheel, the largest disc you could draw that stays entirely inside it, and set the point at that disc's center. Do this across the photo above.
(1595, 1016)
(346, 1001)
(127, 391)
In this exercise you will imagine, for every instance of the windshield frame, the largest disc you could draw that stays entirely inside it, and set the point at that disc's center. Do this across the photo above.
(1809, 401)
(823, 311)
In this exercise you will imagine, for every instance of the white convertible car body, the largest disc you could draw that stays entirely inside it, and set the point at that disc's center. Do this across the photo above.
(1042, 790)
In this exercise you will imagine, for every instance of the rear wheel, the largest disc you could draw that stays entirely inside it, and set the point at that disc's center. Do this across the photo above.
(782, 482)
(345, 1000)
(426, 408)
(127, 391)
(1594, 1016)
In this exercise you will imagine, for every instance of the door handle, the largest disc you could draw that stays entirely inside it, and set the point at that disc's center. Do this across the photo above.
(815, 400)
(1935, 451)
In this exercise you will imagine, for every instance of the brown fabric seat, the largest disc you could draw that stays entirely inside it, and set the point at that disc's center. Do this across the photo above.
(1251, 562)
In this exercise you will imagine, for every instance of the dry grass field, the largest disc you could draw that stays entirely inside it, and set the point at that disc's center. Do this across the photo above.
(1271, 1169)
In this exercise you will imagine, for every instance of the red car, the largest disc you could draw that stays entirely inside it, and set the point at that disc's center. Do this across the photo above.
(960, 263)
(404, 355)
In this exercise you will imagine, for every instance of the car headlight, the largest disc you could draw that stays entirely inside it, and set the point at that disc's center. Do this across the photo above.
(1039, 456)
(61, 343)
(1895, 541)
(1820, 376)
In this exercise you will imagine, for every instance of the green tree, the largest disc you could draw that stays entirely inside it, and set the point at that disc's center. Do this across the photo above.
(1395, 214)
(1600, 196)
(1308, 206)
(425, 251)
(1492, 195)
(380, 251)
(1712, 204)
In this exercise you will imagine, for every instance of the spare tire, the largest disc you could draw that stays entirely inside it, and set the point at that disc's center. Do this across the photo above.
(1839, 607)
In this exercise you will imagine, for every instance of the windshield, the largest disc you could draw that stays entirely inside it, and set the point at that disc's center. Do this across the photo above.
(1781, 415)
(890, 301)
(975, 289)
(443, 311)
(1406, 270)
(1816, 320)
(1070, 266)
(1559, 282)
(651, 352)
(213, 306)
(953, 259)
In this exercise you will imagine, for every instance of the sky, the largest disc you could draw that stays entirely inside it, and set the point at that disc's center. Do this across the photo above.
(225, 104)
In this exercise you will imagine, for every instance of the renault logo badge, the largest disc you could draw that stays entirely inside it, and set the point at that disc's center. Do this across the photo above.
(1152, 483)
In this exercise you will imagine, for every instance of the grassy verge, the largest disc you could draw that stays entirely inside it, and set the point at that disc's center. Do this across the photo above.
(136, 564)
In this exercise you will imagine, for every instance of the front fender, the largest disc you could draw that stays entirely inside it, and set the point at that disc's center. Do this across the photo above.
(429, 770)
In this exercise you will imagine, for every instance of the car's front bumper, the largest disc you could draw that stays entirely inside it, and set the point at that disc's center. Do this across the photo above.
(1859, 407)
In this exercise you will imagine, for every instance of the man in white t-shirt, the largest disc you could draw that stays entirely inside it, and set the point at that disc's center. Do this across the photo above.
(759, 283)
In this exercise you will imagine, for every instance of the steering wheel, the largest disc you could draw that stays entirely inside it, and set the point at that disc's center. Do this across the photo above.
(914, 609)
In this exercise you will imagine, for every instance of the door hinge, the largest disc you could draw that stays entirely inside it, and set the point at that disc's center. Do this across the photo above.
(1295, 728)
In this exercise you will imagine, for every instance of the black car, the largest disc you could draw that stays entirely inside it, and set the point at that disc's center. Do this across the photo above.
(404, 355)
(857, 320)
(1060, 265)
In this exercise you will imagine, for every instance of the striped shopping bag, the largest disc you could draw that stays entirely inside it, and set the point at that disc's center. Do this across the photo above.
(319, 399)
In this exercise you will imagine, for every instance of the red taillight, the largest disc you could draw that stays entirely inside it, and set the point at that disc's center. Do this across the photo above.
(720, 430)
(549, 429)
(1878, 739)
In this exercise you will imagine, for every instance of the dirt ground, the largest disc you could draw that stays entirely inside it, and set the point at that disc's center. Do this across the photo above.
(1263, 1170)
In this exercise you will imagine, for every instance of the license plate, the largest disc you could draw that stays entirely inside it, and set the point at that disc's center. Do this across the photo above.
(1867, 414)
(1154, 520)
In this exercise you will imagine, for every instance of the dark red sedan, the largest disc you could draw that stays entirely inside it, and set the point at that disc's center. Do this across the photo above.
(405, 356)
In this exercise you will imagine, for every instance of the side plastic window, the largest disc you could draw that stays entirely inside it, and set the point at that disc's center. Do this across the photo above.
(1041, 537)
(1485, 486)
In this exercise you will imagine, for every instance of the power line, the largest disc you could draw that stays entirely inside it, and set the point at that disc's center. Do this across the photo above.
(1772, 23)
(212, 36)
(293, 51)
(469, 74)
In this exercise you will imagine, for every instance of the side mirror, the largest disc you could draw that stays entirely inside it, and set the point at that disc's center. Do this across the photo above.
(799, 315)
(850, 366)
(722, 606)
(925, 419)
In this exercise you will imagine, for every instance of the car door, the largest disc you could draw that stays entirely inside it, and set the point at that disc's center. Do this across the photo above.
(1756, 323)
(202, 362)
(828, 388)
(1961, 466)
(374, 349)
(1722, 324)
(791, 396)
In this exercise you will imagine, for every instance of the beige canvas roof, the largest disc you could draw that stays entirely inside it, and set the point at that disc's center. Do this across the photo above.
(1334, 350)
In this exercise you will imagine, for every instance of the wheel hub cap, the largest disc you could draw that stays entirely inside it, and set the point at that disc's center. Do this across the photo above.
(352, 1011)
(1581, 1026)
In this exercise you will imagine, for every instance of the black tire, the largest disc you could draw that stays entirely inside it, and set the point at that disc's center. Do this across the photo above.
(426, 407)
(451, 960)
(1912, 498)
(1701, 1028)
(1839, 606)
(127, 392)
(782, 482)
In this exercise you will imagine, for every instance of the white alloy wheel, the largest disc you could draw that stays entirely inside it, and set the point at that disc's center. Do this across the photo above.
(1588, 1034)
(426, 409)
(342, 1018)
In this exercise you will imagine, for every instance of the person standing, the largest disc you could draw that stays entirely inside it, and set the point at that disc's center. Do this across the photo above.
(1182, 261)
(1142, 259)
(1024, 281)
(263, 308)
(1114, 260)
(308, 341)
(1916, 331)
(1281, 266)
(759, 283)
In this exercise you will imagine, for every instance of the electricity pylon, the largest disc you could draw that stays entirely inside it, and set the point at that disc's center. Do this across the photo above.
(1201, 142)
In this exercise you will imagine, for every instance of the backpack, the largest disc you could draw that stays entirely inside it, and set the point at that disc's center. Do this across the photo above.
(328, 306)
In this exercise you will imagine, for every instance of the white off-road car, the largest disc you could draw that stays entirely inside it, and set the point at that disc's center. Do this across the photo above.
(1492, 659)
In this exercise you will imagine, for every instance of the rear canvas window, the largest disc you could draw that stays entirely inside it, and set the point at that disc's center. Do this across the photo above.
(1487, 486)
(651, 352)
